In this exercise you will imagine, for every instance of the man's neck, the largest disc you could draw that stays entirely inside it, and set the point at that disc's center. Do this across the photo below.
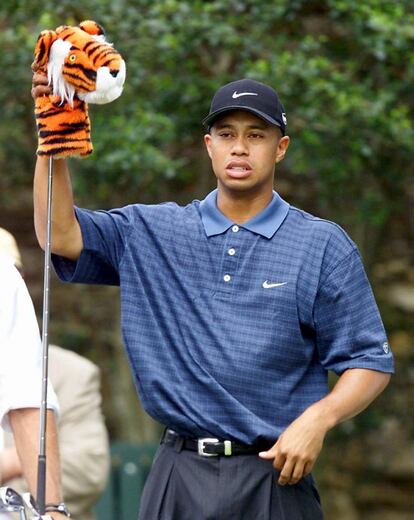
(242, 207)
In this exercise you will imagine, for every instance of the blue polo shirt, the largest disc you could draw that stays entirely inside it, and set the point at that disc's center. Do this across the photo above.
(230, 329)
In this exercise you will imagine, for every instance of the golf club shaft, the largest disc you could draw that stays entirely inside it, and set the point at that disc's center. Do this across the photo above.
(41, 468)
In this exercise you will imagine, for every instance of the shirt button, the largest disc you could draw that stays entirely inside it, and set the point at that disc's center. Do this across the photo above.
(231, 251)
(227, 278)
(235, 229)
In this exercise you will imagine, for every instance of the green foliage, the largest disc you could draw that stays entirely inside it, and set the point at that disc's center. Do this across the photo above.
(344, 69)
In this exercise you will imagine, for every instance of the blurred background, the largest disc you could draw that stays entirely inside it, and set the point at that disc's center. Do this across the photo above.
(344, 70)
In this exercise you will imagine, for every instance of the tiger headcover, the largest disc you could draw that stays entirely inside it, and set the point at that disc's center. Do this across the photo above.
(82, 67)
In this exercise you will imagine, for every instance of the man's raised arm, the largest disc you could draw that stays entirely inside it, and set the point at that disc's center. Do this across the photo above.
(66, 233)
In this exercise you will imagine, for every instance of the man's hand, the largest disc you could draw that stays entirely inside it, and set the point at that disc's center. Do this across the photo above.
(298, 447)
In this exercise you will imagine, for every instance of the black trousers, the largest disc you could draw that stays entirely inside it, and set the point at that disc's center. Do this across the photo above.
(182, 485)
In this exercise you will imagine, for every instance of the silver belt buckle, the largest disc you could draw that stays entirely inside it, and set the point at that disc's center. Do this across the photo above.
(201, 446)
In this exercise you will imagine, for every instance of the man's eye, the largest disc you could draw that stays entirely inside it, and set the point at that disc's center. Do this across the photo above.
(225, 134)
(256, 136)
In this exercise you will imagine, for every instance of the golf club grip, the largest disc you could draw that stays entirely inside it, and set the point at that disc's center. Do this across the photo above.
(41, 484)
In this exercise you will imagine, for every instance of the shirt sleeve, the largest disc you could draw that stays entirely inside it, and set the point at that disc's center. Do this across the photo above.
(21, 356)
(349, 329)
(104, 235)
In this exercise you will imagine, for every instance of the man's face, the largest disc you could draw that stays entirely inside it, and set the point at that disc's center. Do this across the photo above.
(244, 150)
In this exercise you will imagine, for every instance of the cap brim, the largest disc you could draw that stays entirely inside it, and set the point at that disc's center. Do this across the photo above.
(208, 121)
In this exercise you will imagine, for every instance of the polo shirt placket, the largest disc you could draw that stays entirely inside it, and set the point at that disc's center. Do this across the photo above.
(231, 254)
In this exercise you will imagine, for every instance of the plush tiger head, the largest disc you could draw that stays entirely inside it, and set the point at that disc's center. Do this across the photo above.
(79, 61)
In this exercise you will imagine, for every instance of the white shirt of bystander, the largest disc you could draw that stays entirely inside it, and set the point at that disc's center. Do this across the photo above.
(20, 347)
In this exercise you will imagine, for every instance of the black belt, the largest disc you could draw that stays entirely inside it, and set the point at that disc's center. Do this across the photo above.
(209, 447)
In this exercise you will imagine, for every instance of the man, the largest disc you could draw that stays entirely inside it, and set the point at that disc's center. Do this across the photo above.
(233, 310)
(20, 387)
(83, 439)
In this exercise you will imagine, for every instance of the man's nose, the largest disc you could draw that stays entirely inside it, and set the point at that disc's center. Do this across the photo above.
(240, 146)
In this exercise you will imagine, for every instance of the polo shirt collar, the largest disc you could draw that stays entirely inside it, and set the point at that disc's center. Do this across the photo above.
(265, 223)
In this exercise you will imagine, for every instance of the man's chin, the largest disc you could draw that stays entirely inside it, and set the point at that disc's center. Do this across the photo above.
(238, 186)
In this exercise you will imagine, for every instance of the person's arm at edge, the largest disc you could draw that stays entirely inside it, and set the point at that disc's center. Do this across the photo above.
(298, 447)
(25, 425)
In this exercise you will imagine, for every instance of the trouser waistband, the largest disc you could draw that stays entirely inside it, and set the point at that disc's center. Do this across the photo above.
(212, 447)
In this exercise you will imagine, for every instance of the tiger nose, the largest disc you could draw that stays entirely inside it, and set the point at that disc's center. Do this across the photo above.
(114, 73)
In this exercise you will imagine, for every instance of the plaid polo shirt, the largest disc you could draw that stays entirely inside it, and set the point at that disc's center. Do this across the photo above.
(230, 329)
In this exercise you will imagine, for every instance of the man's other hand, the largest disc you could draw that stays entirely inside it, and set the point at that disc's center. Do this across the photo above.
(296, 450)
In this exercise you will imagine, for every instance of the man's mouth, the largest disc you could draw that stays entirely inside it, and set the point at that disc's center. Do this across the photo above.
(238, 170)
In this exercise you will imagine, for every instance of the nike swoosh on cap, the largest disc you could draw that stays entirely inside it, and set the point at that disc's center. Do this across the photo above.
(237, 95)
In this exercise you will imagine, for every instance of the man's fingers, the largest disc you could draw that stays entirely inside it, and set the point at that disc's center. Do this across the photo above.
(40, 91)
(297, 473)
(39, 79)
(286, 472)
(40, 85)
(308, 468)
(269, 454)
(291, 470)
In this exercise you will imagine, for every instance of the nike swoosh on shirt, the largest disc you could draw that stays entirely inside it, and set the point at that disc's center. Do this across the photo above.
(236, 95)
(267, 285)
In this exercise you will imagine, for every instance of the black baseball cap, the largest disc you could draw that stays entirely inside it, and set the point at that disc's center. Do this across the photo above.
(249, 95)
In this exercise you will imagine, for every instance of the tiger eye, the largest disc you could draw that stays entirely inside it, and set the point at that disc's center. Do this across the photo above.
(72, 58)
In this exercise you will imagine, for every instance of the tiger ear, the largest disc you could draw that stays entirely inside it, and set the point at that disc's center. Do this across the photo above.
(42, 50)
(92, 27)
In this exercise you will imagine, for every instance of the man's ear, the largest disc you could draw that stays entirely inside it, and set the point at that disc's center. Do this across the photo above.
(207, 142)
(282, 147)
(42, 50)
